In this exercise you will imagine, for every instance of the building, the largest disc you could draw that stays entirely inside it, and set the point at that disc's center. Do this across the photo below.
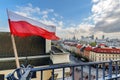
(87, 51)
(113, 43)
(104, 54)
(78, 47)
(98, 53)
(31, 50)
(70, 46)
(99, 41)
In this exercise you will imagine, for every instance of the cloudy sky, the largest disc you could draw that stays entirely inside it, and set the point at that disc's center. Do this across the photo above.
(71, 17)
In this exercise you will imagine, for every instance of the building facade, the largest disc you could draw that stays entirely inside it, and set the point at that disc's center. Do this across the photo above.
(104, 54)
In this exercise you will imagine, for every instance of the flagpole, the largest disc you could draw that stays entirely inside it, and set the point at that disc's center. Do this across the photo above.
(15, 51)
(14, 46)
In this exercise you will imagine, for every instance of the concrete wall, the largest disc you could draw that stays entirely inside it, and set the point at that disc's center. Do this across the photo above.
(48, 45)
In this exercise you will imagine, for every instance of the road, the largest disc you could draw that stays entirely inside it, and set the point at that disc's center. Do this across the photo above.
(85, 70)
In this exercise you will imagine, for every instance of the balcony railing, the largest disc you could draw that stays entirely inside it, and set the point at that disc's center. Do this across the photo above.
(107, 70)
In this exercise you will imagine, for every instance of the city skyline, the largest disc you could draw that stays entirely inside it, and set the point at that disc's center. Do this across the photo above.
(80, 17)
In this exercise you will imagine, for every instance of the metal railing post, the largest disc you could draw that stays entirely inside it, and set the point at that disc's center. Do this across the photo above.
(52, 74)
(41, 75)
(96, 71)
(89, 76)
(116, 68)
(73, 73)
(81, 73)
(63, 73)
(110, 70)
(103, 71)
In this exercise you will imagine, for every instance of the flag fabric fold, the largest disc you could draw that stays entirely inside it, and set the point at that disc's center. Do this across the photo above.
(23, 27)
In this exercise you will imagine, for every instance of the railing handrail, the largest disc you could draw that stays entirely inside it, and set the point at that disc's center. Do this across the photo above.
(64, 65)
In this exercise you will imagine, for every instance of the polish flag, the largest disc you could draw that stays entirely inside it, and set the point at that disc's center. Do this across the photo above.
(23, 27)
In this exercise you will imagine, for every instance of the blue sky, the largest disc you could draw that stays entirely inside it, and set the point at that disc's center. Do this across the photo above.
(72, 11)
(79, 17)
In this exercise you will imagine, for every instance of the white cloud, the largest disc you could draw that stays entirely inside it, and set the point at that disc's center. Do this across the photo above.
(94, 1)
(27, 10)
(30, 11)
(57, 15)
(47, 11)
(50, 10)
(75, 30)
(106, 16)
(60, 23)
(48, 22)
(53, 19)
(45, 16)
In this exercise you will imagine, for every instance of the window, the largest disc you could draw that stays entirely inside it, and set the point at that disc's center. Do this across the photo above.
(99, 58)
(103, 59)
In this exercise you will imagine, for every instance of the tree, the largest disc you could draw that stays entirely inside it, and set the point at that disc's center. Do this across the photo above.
(93, 44)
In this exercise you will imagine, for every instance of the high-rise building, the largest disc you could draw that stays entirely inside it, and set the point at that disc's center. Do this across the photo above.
(103, 36)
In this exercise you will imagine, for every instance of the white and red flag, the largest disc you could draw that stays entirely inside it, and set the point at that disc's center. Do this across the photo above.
(23, 27)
